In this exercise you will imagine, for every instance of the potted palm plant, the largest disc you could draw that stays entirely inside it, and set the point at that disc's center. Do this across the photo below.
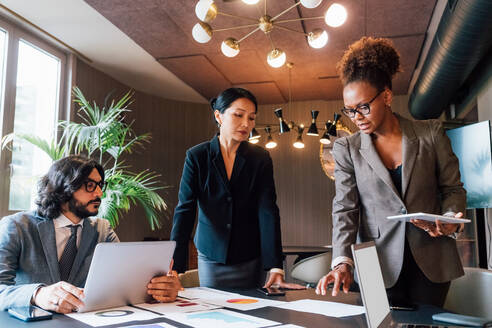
(104, 135)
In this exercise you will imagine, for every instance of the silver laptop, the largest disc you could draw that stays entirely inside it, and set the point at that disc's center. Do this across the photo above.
(372, 290)
(119, 272)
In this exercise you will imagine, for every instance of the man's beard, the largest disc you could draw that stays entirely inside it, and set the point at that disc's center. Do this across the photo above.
(80, 210)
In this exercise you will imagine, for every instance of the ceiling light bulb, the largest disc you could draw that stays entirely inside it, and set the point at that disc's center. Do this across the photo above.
(276, 58)
(310, 3)
(325, 139)
(230, 47)
(335, 15)
(254, 141)
(271, 143)
(317, 38)
(251, 2)
(299, 144)
(206, 10)
(202, 32)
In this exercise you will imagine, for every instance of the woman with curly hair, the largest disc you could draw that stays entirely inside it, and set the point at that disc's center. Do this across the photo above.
(392, 166)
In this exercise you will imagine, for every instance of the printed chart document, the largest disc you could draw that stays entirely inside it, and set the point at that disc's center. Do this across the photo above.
(113, 316)
(205, 293)
(226, 299)
(179, 306)
(330, 309)
(154, 325)
(220, 318)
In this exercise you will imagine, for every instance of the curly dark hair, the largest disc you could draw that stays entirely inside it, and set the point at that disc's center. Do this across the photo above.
(64, 177)
(374, 60)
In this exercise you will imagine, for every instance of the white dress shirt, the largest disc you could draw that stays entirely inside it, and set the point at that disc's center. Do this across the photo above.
(63, 232)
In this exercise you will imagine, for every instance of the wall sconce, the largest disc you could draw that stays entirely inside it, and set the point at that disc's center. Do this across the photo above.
(270, 142)
(254, 136)
(283, 126)
(299, 143)
(325, 139)
(313, 129)
(333, 128)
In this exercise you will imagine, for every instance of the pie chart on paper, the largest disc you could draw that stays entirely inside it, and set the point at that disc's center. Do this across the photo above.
(242, 301)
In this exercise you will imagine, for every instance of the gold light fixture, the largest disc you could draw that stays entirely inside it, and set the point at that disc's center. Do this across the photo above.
(207, 11)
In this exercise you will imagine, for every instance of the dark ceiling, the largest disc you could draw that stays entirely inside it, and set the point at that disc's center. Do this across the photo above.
(163, 29)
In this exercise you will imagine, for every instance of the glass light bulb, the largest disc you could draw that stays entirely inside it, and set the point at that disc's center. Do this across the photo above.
(318, 38)
(206, 10)
(299, 144)
(310, 3)
(254, 141)
(335, 15)
(271, 144)
(230, 47)
(276, 58)
(251, 2)
(325, 141)
(202, 32)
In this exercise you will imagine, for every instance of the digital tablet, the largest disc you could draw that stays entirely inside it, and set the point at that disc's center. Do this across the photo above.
(427, 217)
(119, 272)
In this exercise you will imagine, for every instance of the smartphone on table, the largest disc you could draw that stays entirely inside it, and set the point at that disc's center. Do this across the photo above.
(29, 313)
(271, 291)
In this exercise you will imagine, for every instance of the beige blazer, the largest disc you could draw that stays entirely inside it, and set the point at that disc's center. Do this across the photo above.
(366, 195)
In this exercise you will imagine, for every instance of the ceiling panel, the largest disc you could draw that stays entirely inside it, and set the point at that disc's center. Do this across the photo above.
(163, 29)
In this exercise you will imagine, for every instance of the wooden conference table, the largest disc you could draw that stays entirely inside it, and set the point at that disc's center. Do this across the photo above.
(422, 316)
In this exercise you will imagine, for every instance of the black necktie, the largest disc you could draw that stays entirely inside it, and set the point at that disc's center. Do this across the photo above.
(69, 253)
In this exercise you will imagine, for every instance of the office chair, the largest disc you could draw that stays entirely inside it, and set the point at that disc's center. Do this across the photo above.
(471, 294)
(189, 278)
(311, 269)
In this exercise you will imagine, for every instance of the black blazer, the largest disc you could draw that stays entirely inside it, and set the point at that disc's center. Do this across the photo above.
(238, 220)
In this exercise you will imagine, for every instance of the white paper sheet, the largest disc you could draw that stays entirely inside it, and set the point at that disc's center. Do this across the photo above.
(243, 303)
(204, 293)
(113, 316)
(226, 299)
(330, 309)
(220, 318)
(181, 305)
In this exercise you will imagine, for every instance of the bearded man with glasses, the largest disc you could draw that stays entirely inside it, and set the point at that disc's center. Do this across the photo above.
(392, 166)
(45, 254)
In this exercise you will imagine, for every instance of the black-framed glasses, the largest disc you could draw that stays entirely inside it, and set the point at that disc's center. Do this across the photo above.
(91, 185)
(362, 109)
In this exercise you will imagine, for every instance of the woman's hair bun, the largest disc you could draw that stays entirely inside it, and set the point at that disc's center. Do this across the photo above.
(371, 59)
(212, 103)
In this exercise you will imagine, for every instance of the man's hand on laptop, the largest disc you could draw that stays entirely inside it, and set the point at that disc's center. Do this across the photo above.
(61, 297)
(340, 275)
(165, 288)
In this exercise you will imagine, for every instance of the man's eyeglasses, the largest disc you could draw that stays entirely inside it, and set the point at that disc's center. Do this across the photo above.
(363, 109)
(91, 185)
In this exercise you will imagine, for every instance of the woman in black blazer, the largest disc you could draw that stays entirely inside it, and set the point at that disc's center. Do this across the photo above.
(231, 183)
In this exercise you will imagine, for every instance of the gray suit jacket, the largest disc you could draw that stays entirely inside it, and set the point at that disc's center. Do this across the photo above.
(366, 195)
(28, 256)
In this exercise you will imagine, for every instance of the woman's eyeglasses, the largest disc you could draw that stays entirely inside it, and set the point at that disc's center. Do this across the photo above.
(91, 185)
(363, 109)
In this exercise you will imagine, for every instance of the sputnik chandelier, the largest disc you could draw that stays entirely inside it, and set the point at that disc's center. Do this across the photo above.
(207, 11)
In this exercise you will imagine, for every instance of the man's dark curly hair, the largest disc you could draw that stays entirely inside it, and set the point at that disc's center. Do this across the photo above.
(374, 60)
(64, 177)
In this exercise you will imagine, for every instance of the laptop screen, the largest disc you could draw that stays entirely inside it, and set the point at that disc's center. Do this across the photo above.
(371, 283)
